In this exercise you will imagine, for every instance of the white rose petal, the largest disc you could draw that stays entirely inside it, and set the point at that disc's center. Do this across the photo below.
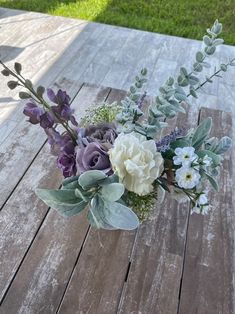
(136, 162)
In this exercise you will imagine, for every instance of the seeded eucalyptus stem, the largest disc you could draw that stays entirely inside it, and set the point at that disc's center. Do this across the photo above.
(39, 99)
(211, 77)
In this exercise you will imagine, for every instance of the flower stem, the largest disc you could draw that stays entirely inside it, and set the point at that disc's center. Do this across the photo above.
(211, 77)
(40, 100)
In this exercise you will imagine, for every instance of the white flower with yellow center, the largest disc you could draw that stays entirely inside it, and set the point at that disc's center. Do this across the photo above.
(187, 178)
(184, 156)
(136, 162)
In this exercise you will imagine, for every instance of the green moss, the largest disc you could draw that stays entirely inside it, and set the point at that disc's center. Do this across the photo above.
(141, 205)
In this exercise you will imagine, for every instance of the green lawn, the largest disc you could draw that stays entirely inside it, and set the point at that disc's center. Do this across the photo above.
(186, 18)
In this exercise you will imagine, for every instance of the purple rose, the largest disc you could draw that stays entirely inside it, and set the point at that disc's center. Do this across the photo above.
(93, 157)
(103, 133)
(67, 160)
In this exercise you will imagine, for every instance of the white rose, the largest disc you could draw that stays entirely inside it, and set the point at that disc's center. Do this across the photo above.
(136, 162)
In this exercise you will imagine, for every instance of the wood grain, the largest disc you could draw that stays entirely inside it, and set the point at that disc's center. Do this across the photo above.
(101, 268)
(153, 282)
(207, 286)
(43, 276)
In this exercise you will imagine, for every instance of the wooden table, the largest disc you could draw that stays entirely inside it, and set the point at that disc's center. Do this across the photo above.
(174, 263)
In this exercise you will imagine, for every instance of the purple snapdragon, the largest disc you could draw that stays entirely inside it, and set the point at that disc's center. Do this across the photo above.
(66, 160)
(63, 109)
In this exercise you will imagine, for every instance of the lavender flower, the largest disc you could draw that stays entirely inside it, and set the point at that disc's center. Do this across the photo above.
(63, 109)
(164, 144)
(93, 157)
(67, 160)
(141, 100)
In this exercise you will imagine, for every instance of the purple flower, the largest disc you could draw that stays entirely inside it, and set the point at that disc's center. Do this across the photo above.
(102, 133)
(164, 144)
(46, 120)
(67, 160)
(93, 157)
(38, 115)
(61, 98)
(63, 109)
(141, 99)
(34, 112)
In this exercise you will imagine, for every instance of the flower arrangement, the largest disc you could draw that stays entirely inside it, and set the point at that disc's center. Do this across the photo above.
(114, 161)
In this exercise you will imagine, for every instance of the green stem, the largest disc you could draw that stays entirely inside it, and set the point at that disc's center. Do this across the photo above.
(211, 77)
(41, 101)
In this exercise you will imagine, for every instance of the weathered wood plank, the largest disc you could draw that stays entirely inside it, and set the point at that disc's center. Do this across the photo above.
(207, 286)
(56, 247)
(19, 149)
(101, 268)
(153, 282)
(19, 219)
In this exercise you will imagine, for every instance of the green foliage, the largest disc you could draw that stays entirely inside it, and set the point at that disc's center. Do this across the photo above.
(91, 178)
(65, 201)
(111, 215)
(102, 113)
(131, 111)
(112, 192)
(141, 205)
(100, 192)
(216, 159)
(201, 133)
(224, 144)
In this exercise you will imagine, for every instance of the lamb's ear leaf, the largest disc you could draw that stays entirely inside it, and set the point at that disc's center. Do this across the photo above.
(216, 159)
(224, 144)
(65, 201)
(120, 216)
(112, 192)
(91, 178)
(69, 180)
(213, 182)
(202, 132)
(96, 215)
(111, 215)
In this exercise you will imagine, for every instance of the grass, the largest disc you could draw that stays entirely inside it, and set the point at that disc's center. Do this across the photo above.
(185, 18)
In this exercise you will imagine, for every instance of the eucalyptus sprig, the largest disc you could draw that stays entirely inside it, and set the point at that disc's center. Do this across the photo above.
(169, 102)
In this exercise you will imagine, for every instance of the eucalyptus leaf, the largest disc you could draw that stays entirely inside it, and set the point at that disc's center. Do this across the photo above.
(207, 41)
(199, 56)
